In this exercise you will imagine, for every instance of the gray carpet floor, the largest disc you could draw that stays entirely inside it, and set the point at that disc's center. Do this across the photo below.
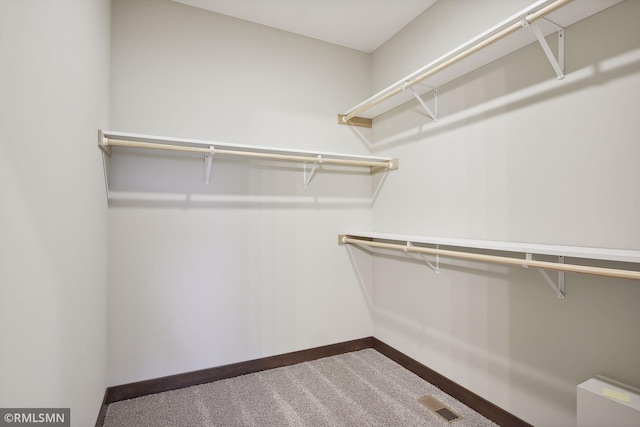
(362, 388)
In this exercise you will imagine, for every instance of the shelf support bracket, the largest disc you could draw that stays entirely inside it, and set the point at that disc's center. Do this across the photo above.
(208, 161)
(307, 177)
(103, 143)
(557, 64)
(558, 287)
(434, 116)
(435, 268)
(355, 121)
(379, 186)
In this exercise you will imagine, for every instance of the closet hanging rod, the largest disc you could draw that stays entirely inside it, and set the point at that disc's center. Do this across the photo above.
(470, 47)
(253, 154)
(546, 265)
(113, 139)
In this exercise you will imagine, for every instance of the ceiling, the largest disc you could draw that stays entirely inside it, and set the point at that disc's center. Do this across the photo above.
(359, 24)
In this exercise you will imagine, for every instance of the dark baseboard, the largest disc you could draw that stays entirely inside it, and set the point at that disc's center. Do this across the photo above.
(174, 382)
(455, 390)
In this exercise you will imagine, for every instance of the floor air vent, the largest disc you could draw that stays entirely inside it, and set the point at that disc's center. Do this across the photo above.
(434, 405)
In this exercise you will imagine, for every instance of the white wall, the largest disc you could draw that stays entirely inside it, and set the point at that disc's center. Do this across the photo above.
(442, 27)
(249, 266)
(53, 213)
(519, 156)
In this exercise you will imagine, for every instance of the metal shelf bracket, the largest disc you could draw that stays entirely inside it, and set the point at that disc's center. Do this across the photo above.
(557, 64)
(435, 268)
(208, 162)
(432, 114)
(307, 177)
(103, 143)
(558, 287)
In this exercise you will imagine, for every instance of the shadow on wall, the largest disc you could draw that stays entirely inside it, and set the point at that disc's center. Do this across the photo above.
(592, 59)
(501, 331)
(506, 323)
(555, 345)
(176, 180)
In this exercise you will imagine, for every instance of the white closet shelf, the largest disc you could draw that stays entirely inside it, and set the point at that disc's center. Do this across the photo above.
(455, 249)
(314, 159)
(108, 139)
(539, 20)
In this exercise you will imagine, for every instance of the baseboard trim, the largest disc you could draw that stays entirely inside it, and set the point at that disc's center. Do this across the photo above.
(174, 382)
(453, 389)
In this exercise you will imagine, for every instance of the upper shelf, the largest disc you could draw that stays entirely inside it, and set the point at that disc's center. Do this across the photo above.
(313, 159)
(477, 52)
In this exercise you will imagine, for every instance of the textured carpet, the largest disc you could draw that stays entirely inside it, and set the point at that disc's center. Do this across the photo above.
(362, 388)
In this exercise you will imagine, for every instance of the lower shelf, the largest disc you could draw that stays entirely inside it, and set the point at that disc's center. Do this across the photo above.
(459, 248)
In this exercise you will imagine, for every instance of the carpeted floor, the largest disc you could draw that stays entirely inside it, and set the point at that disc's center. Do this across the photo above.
(362, 388)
